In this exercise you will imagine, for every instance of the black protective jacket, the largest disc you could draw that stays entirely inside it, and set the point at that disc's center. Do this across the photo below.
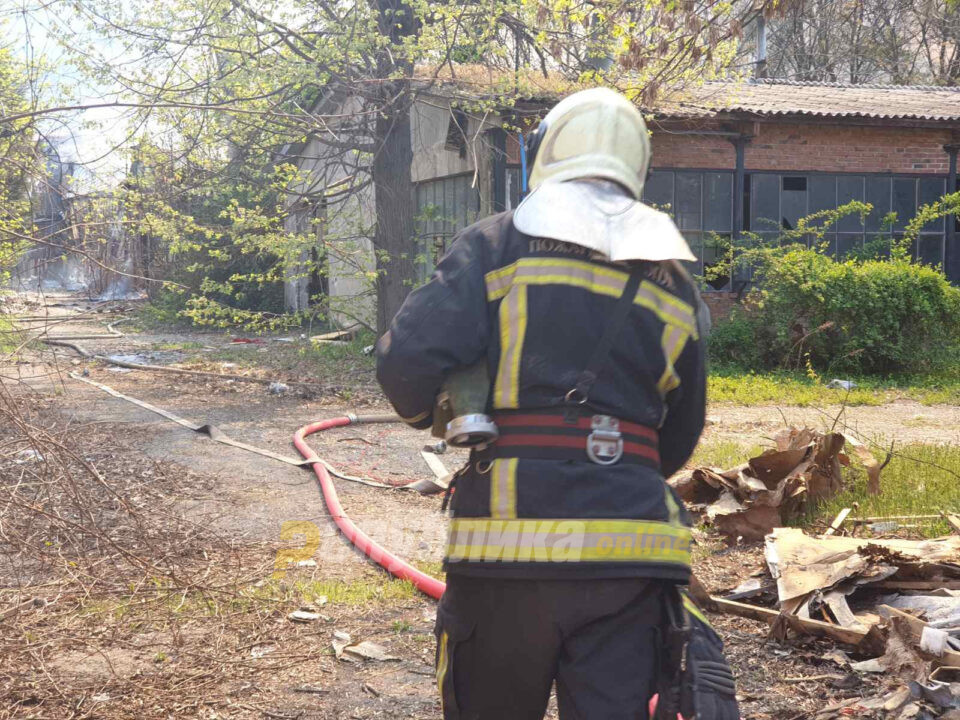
(536, 310)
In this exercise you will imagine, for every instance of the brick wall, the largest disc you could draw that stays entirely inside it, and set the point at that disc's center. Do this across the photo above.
(720, 304)
(692, 151)
(811, 147)
(830, 148)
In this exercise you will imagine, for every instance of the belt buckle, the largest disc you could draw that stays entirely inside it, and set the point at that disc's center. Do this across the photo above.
(605, 443)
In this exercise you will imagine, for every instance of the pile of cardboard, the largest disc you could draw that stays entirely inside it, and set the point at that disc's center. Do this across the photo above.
(747, 502)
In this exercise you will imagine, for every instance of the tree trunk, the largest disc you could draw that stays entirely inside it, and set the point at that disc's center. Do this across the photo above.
(394, 241)
(394, 238)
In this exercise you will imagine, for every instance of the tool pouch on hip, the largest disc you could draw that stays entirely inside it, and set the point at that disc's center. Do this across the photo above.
(701, 686)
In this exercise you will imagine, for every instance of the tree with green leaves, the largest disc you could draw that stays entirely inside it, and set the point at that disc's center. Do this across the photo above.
(222, 86)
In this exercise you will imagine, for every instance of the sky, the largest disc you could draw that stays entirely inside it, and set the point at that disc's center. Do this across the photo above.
(90, 137)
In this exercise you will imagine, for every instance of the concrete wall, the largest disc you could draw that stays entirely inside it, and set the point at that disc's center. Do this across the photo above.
(349, 222)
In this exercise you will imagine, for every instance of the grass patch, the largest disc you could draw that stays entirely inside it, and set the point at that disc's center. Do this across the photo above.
(433, 568)
(300, 356)
(921, 479)
(9, 337)
(185, 345)
(247, 600)
(723, 454)
(739, 387)
(357, 593)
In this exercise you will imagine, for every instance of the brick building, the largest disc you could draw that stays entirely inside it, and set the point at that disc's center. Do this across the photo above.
(728, 158)
(758, 156)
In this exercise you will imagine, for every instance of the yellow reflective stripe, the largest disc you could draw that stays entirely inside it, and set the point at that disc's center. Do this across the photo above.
(590, 276)
(550, 271)
(513, 329)
(667, 307)
(442, 663)
(673, 340)
(691, 607)
(499, 281)
(503, 488)
(484, 539)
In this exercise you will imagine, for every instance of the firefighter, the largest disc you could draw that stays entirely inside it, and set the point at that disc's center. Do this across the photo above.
(566, 547)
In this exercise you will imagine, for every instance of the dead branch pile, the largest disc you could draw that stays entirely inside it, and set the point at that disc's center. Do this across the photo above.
(769, 490)
(95, 551)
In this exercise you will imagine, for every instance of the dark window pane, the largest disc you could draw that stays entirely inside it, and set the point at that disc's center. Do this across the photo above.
(688, 201)
(795, 183)
(716, 250)
(793, 202)
(931, 249)
(695, 241)
(764, 202)
(878, 195)
(718, 201)
(658, 190)
(449, 206)
(931, 190)
(847, 242)
(849, 188)
(822, 191)
(904, 201)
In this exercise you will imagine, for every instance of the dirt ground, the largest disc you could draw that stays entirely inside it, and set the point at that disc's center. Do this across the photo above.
(275, 668)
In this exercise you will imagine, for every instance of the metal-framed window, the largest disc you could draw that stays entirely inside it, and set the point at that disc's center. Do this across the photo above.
(701, 202)
(777, 201)
(445, 206)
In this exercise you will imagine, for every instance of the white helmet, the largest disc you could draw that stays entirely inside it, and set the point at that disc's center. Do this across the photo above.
(594, 133)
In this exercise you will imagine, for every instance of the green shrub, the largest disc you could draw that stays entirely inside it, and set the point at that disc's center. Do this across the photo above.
(733, 341)
(856, 316)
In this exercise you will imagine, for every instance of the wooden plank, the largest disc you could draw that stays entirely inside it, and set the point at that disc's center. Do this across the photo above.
(916, 625)
(868, 520)
(837, 602)
(915, 585)
(818, 628)
(838, 521)
(954, 521)
(753, 612)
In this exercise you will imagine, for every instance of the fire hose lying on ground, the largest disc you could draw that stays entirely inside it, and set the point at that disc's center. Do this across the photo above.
(466, 434)
(380, 555)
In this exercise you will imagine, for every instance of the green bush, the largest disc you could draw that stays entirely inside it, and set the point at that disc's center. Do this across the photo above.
(856, 316)
(733, 341)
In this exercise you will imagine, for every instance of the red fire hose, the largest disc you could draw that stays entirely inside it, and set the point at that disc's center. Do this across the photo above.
(380, 555)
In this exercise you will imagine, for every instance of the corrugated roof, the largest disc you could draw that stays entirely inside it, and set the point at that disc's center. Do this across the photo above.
(773, 98)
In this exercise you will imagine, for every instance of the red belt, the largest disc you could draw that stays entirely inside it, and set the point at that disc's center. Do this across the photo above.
(548, 435)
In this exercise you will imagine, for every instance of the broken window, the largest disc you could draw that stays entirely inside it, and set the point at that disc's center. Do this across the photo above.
(457, 133)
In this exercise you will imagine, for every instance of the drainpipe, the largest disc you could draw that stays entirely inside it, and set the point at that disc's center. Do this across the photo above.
(740, 144)
(952, 252)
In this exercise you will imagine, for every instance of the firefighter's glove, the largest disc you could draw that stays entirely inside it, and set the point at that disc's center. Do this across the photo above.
(708, 691)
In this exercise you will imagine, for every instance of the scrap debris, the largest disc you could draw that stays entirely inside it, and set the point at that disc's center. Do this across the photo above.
(895, 603)
(769, 490)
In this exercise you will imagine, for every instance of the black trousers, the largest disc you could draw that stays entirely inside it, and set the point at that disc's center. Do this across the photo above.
(501, 643)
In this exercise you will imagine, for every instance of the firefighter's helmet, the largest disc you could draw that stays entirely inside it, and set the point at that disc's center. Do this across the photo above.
(594, 133)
